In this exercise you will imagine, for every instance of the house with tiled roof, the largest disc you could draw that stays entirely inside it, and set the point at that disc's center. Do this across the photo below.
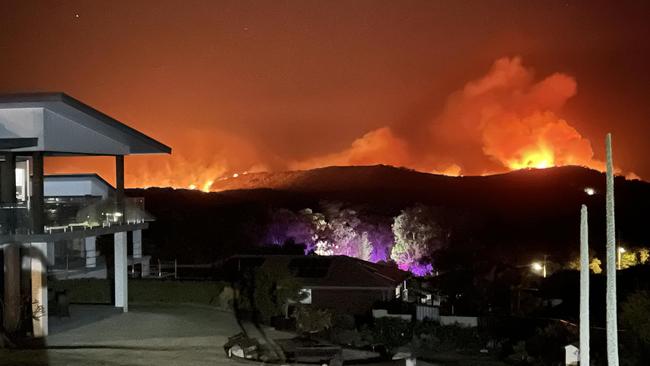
(339, 283)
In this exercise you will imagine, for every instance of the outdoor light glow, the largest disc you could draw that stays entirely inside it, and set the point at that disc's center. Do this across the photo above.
(537, 266)
(235, 175)
(590, 191)
(117, 214)
(619, 263)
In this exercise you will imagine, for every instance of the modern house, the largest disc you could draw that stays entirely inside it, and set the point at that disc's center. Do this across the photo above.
(38, 214)
(339, 283)
(69, 194)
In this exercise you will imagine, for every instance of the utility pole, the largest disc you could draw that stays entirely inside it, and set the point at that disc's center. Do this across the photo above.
(584, 286)
(610, 291)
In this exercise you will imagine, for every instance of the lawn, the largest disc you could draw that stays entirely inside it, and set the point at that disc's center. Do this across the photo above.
(98, 291)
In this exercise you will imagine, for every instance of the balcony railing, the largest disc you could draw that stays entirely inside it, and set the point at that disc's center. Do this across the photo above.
(63, 214)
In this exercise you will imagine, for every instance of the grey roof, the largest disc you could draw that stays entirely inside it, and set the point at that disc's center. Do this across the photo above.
(332, 271)
(68, 106)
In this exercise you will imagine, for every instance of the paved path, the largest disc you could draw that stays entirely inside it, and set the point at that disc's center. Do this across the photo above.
(147, 335)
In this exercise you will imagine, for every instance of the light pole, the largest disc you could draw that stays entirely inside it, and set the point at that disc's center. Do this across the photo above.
(540, 267)
(620, 251)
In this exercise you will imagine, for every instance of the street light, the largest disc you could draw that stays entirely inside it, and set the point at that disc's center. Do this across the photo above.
(539, 267)
(621, 250)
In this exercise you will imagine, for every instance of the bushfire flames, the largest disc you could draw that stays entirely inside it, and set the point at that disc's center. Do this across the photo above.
(540, 159)
(504, 120)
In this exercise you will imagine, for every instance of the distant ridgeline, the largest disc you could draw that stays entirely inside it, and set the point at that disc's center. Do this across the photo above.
(510, 218)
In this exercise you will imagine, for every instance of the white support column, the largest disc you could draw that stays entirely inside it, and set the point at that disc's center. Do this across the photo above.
(137, 243)
(121, 276)
(39, 259)
(91, 252)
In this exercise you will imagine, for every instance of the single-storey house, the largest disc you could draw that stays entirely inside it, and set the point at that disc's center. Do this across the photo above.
(339, 283)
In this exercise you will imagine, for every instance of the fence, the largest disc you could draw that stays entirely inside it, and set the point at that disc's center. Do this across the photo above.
(93, 265)
(165, 269)
(423, 312)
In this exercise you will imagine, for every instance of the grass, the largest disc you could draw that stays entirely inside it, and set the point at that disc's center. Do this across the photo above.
(97, 291)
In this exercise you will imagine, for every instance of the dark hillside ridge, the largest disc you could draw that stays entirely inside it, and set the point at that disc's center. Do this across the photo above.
(519, 214)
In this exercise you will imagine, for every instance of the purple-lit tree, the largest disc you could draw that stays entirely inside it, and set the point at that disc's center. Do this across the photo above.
(340, 235)
(417, 236)
(337, 230)
(281, 223)
(287, 226)
(380, 238)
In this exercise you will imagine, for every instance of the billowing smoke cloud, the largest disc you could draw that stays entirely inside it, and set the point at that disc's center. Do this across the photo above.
(380, 146)
(502, 121)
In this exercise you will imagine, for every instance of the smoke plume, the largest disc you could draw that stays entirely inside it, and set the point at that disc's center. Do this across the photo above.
(502, 121)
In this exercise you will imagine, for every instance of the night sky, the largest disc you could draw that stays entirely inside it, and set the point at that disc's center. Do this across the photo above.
(456, 87)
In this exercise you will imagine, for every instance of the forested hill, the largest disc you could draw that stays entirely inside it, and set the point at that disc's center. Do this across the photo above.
(516, 215)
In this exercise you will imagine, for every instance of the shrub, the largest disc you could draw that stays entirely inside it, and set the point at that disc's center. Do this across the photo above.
(431, 335)
(392, 332)
(312, 320)
(273, 288)
(635, 312)
(547, 345)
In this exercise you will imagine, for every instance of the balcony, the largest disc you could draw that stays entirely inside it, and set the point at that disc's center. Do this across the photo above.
(74, 214)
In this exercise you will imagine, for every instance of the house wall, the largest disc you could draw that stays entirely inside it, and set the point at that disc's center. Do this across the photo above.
(64, 187)
(355, 302)
(22, 122)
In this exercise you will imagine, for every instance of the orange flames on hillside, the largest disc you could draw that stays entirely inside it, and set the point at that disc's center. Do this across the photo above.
(505, 120)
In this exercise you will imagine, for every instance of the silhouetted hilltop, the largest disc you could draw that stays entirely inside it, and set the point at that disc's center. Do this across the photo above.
(518, 214)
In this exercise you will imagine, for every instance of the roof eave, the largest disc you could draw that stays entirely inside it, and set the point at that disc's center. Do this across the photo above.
(59, 97)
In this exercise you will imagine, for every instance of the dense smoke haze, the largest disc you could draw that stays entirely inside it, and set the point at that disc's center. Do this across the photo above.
(502, 121)
(458, 88)
(505, 120)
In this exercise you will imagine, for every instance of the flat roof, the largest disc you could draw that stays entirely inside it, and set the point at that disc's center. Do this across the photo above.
(87, 116)
(79, 176)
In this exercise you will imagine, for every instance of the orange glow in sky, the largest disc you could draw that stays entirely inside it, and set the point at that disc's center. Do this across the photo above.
(455, 87)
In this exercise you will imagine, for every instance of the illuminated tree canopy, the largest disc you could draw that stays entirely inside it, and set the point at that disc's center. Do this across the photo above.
(417, 235)
(341, 230)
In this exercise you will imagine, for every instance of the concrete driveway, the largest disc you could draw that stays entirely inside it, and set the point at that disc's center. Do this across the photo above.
(146, 335)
